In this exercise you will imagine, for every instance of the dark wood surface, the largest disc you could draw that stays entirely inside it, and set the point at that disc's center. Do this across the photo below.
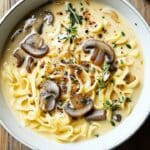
(139, 141)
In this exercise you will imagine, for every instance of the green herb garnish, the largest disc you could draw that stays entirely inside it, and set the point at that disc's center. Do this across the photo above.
(96, 135)
(115, 104)
(101, 81)
(121, 61)
(122, 33)
(73, 16)
(72, 30)
(71, 61)
(108, 104)
(114, 45)
(122, 99)
(112, 123)
(105, 67)
(128, 46)
(81, 4)
(82, 9)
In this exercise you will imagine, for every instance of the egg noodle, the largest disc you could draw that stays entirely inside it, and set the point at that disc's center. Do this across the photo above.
(70, 67)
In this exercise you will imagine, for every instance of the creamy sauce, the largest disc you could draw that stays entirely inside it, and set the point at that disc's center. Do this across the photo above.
(97, 15)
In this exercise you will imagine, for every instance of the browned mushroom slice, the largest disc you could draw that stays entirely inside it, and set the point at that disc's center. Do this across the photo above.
(20, 56)
(94, 54)
(30, 64)
(101, 51)
(34, 45)
(79, 112)
(49, 93)
(77, 101)
(100, 58)
(96, 115)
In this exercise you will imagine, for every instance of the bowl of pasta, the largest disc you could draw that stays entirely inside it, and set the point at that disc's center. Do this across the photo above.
(74, 73)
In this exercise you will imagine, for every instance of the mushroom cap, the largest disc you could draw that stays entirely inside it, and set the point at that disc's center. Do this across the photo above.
(73, 112)
(49, 93)
(20, 56)
(101, 49)
(96, 115)
(34, 46)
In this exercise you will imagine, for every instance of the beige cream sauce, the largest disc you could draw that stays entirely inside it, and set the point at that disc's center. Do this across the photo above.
(95, 10)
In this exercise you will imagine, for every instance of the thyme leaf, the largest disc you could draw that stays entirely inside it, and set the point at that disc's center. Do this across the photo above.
(128, 46)
(122, 33)
(112, 123)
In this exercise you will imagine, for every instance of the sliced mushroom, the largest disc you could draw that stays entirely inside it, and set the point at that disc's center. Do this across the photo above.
(38, 25)
(49, 93)
(38, 22)
(30, 64)
(34, 45)
(17, 32)
(20, 56)
(96, 115)
(73, 112)
(47, 101)
(29, 23)
(101, 51)
(49, 18)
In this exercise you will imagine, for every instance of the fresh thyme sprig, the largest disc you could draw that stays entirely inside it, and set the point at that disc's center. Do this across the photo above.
(105, 70)
(113, 105)
(71, 31)
(73, 16)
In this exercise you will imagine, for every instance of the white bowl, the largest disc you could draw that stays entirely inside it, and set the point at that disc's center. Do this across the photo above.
(112, 138)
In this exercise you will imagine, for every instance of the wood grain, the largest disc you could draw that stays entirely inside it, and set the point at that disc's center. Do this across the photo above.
(7, 142)
(143, 6)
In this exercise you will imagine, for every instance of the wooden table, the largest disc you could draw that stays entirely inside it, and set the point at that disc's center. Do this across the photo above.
(140, 141)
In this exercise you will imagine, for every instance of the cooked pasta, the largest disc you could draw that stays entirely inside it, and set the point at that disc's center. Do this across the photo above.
(75, 77)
